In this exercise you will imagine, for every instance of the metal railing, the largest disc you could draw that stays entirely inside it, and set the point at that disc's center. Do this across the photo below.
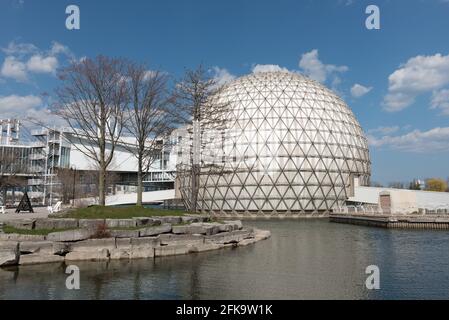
(377, 210)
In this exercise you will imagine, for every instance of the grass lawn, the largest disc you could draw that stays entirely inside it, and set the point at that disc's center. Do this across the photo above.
(103, 212)
(40, 232)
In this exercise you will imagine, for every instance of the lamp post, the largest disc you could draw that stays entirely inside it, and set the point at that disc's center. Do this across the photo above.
(73, 168)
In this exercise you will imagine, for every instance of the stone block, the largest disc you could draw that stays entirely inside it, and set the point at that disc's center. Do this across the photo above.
(169, 219)
(231, 237)
(147, 222)
(190, 219)
(91, 255)
(124, 233)
(120, 223)
(226, 227)
(38, 247)
(9, 253)
(53, 223)
(188, 239)
(38, 258)
(153, 231)
(205, 247)
(142, 253)
(92, 224)
(70, 235)
(237, 224)
(24, 224)
(197, 228)
(171, 250)
(246, 242)
(123, 243)
(93, 245)
(261, 234)
(21, 237)
(147, 242)
(117, 254)
(61, 248)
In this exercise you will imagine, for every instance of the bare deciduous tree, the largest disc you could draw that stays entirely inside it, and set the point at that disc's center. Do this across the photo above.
(148, 120)
(10, 167)
(92, 100)
(196, 107)
(68, 184)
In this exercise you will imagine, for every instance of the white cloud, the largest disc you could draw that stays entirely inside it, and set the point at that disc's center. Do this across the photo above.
(29, 107)
(24, 58)
(40, 64)
(384, 130)
(312, 66)
(434, 140)
(14, 105)
(13, 68)
(268, 68)
(359, 90)
(222, 76)
(58, 48)
(14, 48)
(440, 100)
(419, 75)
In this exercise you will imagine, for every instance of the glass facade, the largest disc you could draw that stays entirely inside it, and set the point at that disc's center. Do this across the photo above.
(15, 160)
(290, 146)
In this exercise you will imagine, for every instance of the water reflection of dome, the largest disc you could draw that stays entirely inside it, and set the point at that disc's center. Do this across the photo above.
(291, 146)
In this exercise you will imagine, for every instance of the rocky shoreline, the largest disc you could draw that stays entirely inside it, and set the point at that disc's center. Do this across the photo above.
(105, 239)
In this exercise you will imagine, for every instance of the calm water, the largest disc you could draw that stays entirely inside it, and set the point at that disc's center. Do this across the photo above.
(303, 259)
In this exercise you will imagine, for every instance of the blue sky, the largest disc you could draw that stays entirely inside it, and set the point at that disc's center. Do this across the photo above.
(396, 79)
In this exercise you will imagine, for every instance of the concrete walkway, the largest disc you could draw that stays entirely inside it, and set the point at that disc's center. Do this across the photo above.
(39, 212)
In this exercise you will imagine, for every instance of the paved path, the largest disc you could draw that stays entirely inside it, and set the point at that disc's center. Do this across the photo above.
(39, 212)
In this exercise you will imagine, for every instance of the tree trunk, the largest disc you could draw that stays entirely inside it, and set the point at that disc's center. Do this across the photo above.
(195, 163)
(101, 187)
(102, 180)
(139, 182)
(4, 191)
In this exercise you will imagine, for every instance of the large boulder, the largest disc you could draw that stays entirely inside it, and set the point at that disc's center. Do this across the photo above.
(120, 223)
(92, 224)
(226, 227)
(154, 231)
(230, 237)
(188, 239)
(190, 219)
(171, 250)
(169, 219)
(147, 222)
(37, 258)
(236, 223)
(70, 235)
(197, 228)
(61, 248)
(53, 223)
(134, 248)
(261, 234)
(21, 237)
(24, 224)
(124, 233)
(144, 247)
(205, 247)
(93, 245)
(117, 254)
(148, 242)
(92, 255)
(36, 247)
(9, 253)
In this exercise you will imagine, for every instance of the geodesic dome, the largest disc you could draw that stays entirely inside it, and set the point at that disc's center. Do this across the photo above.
(290, 146)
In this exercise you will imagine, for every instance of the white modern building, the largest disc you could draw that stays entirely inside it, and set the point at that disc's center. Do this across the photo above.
(56, 148)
